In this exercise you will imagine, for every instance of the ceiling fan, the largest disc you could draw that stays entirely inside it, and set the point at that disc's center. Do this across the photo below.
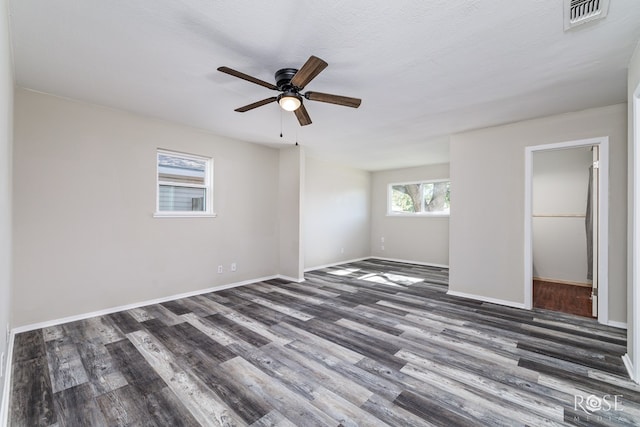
(290, 82)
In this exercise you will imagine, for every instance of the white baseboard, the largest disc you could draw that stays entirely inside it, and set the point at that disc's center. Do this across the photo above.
(82, 316)
(486, 299)
(4, 405)
(333, 264)
(629, 365)
(620, 325)
(405, 261)
(408, 261)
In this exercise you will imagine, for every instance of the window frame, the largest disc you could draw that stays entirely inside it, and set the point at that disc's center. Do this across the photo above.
(207, 186)
(391, 212)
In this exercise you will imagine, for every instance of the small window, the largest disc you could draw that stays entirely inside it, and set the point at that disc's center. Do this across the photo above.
(427, 198)
(184, 185)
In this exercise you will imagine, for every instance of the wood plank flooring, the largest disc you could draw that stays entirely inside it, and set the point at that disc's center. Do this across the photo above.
(369, 343)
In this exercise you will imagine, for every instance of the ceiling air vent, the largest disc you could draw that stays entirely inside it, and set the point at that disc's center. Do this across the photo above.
(578, 12)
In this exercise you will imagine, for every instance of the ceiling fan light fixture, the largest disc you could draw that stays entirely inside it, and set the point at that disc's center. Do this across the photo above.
(289, 101)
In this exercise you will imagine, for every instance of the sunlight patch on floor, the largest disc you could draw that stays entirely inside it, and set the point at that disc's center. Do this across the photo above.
(344, 272)
(391, 279)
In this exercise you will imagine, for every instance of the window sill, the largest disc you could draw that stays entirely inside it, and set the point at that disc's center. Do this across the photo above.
(183, 215)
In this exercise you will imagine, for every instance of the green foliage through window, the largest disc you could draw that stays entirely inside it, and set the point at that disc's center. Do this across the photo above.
(431, 197)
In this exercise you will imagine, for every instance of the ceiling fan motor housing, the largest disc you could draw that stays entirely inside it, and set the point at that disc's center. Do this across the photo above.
(283, 78)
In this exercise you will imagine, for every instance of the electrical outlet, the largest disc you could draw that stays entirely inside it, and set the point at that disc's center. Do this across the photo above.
(219, 269)
(382, 240)
(233, 266)
(341, 250)
(382, 248)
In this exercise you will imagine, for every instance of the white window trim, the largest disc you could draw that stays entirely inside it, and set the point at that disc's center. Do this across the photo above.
(208, 187)
(390, 212)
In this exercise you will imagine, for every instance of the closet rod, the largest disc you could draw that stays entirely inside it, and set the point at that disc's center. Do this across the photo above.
(559, 215)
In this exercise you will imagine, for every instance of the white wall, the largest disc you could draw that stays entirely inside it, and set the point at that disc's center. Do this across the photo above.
(487, 207)
(560, 183)
(418, 239)
(6, 141)
(633, 313)
(336, 213)
(84, 196)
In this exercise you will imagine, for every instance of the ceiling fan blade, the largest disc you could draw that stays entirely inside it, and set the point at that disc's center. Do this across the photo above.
(256, 104)
(247, 77)
(333, 99)
(302, 115)
(309, 70)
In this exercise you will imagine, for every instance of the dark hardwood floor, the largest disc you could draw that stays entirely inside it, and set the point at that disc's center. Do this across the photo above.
(562, 297)
(368, 343)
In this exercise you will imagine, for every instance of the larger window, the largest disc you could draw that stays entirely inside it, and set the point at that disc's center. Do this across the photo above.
(184, 185)
(419, 198)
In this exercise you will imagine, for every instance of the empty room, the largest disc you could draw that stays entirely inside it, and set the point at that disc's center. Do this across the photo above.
(298, 213)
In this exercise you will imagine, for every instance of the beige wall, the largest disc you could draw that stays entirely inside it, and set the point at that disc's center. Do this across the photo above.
(633, 315)
(6, 140)
(84, 195)
(560, 182)
(418, 239)
(487, 208)
(336, 213)
(290, 199)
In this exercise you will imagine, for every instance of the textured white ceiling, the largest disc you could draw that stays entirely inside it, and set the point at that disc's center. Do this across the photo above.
(424, 69)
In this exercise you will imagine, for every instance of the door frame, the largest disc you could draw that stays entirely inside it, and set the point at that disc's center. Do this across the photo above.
(603, 220)
(633, 331)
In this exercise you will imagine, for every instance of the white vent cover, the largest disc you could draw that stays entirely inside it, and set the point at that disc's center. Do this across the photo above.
(578, 12)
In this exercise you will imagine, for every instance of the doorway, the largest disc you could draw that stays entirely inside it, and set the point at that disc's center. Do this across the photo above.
(565, 227)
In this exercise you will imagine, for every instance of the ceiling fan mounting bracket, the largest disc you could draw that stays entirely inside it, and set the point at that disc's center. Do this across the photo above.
(283, 79)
